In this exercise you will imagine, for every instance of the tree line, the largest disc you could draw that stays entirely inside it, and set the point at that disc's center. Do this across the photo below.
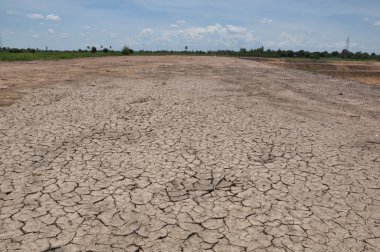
(258, 52)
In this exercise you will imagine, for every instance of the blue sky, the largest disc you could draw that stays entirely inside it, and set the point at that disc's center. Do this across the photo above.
(199, 24)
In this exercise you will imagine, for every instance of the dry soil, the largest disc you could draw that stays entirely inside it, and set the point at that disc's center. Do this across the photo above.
(186, 154)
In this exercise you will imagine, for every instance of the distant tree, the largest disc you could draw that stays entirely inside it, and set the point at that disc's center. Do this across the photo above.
(105, 50)
(290, 53)
(314, 55)
(301, 54)
(345, 53)
(186, 48)
(243, 50)
(93, 49)
(335, 54)
(126, 50)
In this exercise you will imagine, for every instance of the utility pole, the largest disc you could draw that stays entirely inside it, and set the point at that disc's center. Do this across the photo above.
(348, 44)
(1, 43)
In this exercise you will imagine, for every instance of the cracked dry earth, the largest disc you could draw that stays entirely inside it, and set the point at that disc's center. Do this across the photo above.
(189, 154)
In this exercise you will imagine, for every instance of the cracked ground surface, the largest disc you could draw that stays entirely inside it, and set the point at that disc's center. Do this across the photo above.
(187, 154)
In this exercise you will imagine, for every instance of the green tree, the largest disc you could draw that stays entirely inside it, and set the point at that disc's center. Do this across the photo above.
(126, 50)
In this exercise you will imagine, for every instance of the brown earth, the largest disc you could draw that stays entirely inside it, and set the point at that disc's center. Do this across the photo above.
(186, 154)
(367, 72)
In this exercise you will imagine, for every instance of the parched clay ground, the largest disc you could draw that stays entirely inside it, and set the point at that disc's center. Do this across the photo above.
(186, 154)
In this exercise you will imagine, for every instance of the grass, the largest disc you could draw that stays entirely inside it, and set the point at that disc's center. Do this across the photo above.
(58, 55)
(51, 55)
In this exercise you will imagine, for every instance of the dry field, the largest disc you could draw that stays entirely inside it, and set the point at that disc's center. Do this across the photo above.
(186, 154)
(367, 72)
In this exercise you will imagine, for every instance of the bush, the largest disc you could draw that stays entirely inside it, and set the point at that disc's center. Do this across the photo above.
(126, 51)
(15, 50)
(93, 49)
(105, 50)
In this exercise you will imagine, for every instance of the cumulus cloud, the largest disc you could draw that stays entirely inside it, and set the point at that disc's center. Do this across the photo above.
(52, 17)
(266, 21)
(63, 35)
(35, 16)
(218, 30)
(178, 23)
(288, 38)
(51, 31)
(207, 37)
(114, 35)
(307, 41)
(377, 23)
(147, 31)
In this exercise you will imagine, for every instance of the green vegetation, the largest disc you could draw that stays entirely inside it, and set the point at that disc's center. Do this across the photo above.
(260, 52)
(15, 54)
(126, 51)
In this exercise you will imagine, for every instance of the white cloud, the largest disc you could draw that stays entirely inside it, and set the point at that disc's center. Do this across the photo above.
(288, 38)
(365, 19)
(178, 23)
(208, 37)
(307, 41)
(147, 31)
(85, 27)
(35, 36)
(114, 35)
(42, 23)
(377, 23)
(64, 35)
(266, 21)
(217, 30)
(51, 31)
(52, 17)
(35, 16)
(236, 30)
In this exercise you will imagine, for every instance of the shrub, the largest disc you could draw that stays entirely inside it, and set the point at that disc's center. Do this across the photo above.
(105, 50)
(126, 50)
(93, 49)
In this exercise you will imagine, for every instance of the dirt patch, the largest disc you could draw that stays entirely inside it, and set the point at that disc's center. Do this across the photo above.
(187, 154)
(367, 72)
